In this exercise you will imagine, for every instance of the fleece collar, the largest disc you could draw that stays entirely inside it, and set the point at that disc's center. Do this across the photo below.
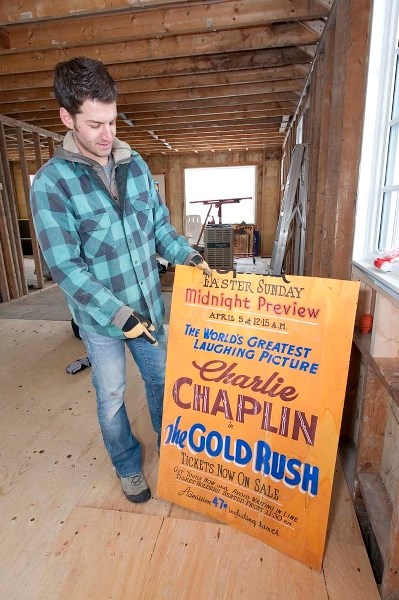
(69, 150)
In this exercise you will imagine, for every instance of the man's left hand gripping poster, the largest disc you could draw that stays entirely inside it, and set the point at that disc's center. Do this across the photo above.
(255, 384)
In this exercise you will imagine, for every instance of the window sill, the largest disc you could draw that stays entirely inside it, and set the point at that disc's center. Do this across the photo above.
(387, 282)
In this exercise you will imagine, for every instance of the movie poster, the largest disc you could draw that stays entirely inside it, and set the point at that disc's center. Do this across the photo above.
(255, 384)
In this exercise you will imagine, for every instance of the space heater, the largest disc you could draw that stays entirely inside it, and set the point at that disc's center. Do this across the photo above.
(218, 246)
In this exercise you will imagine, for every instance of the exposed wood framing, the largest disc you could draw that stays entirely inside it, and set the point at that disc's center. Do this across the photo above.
(28, 143)
(9, 238)
(26, 184)
(337, 95)
(267, 184)
(5, 253)
(189, 57)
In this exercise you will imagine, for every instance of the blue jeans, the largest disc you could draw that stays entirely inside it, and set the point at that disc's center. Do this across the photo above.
(107, 356)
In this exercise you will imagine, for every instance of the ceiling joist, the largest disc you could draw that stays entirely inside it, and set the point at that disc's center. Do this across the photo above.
(208, 74)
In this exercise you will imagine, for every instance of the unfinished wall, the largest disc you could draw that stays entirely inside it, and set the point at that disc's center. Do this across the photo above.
(267, 198)
(333, 110)
(22, 209)
(31, 146)
(267, 185)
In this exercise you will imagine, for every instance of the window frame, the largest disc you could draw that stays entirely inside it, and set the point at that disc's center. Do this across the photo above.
(383, 65)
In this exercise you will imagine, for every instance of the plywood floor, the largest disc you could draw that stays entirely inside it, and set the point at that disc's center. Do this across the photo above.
(67, 532)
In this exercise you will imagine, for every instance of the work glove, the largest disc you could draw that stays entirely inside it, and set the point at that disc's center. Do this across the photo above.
(198, 261)
(78, 365)
(138, 326)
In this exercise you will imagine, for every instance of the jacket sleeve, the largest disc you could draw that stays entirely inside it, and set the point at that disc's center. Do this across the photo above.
(169, 244)
(58, 237)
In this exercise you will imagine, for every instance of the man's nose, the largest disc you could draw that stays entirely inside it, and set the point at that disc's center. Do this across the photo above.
(107, 131)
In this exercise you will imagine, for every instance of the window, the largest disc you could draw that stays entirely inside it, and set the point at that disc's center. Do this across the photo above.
(377, 215)
(217, 183)
(388, 234)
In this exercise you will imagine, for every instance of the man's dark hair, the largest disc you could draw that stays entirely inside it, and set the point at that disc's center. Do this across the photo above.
(82, 78)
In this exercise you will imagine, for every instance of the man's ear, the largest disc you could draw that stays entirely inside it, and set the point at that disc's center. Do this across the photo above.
(66, 118)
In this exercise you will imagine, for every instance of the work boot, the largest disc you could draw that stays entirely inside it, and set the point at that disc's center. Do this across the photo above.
(136, 488)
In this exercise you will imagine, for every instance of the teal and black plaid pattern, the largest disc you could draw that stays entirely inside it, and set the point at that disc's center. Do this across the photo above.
(101, 252)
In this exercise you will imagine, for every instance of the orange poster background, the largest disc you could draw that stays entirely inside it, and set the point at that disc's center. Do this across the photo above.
(255, 383)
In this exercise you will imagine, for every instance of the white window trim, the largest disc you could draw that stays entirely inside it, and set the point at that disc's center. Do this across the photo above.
(385, 31)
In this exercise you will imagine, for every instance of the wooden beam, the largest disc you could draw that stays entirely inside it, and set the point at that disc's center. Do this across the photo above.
(266, 109)
(32, 232)
(52, 116)
(237, 121)
(246, 116)
(316, 101)
(239, 125)
(136, 25)
(221, 91)
(221, 147)
(390, 579)
(8, 279)
(210, 135)
(206, 135)
(347, 113)
(211, 123)
(185, 65)
(25, 126)
(31, 10)
(268, 36)
(51, 145)
(4, 289)
(28, 11)
(209, 103)
(237, 130)
(379, 509)
(373, 418)
(10, 209)
(188, 141)
(320, 160)
(4, 39)
(38, 150)
(157, 84)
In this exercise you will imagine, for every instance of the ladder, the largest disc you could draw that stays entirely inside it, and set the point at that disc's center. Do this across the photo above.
(292, 217)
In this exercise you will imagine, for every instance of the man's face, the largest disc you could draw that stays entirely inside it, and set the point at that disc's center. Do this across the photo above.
(94, 128)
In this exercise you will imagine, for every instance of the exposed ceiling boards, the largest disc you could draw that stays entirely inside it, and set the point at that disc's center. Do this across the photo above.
(192, 75)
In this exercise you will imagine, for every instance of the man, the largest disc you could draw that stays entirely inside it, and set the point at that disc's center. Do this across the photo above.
(100, 223)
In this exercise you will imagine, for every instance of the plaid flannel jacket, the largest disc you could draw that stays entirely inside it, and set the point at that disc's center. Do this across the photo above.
(100, 245)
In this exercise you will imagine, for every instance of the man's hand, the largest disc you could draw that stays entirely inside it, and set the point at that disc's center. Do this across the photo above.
(137, 326)
(198, 261)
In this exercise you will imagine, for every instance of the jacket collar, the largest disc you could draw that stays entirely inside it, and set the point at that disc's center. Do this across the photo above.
(69, 150)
